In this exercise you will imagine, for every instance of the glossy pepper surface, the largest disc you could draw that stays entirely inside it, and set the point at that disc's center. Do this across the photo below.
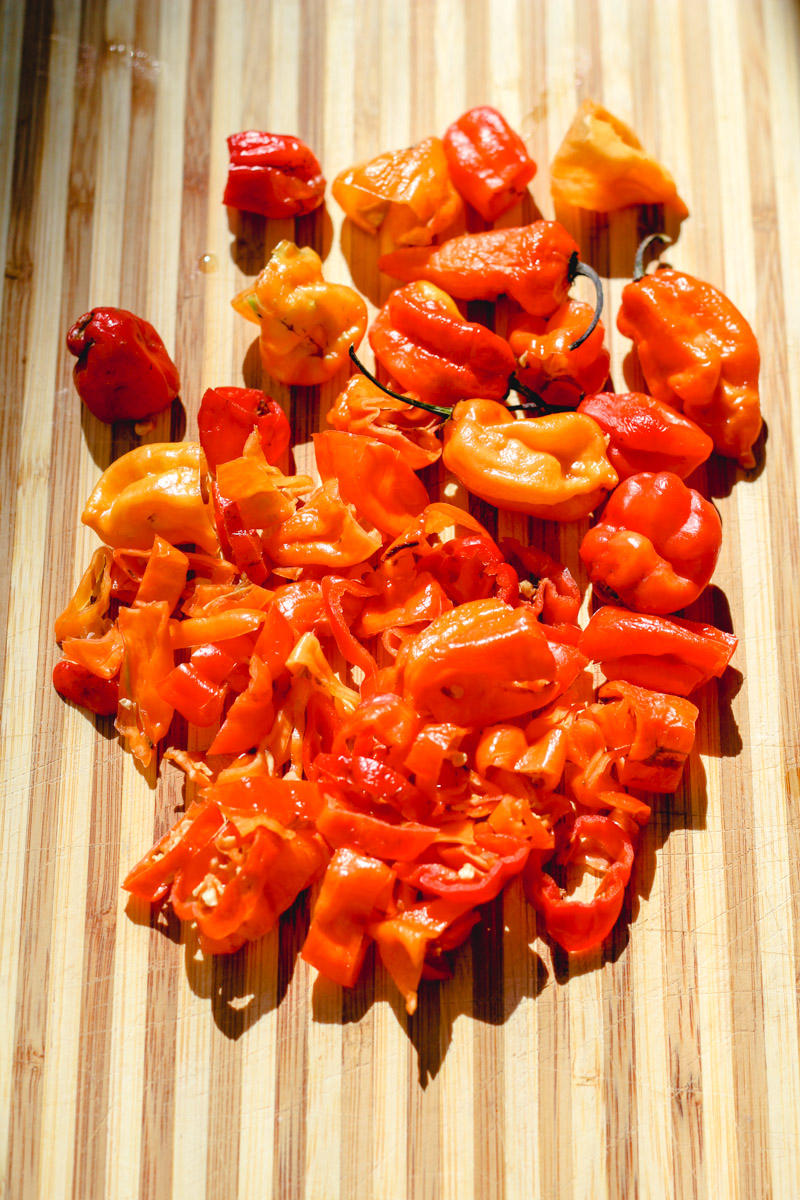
(123, 372)
(488, 161)
(698, 354)
(533, 264)
(601, 165)
(307, 324)
(272, 174)
(409, 190)
(227, 417)
(655, 546)
(421, 338)
(364, 408)
(554, 467)
(645, 434)
(545, 361)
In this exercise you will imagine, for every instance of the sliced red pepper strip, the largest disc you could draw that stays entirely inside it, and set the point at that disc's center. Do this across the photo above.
(250, 716)
(153, 874)
(578, 924)
(505, 858)
(354, 887)
(192, 695)
(404, 941)
(343, 826)
(334, 589)
(100, 655)
(164, 576)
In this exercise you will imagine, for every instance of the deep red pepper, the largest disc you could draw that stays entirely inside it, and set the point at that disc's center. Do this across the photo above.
(77, 683)
(123, 372)
(645, 434)
(228, 416)
(272, 174)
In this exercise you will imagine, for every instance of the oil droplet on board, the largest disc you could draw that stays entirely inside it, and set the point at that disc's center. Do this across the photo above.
(208, 263)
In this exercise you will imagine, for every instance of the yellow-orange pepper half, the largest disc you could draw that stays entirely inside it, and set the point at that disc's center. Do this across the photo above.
(554, 467)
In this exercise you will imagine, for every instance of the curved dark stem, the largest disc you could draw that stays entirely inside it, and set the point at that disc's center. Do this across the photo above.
(576, 267)
(432, 408)
(638, 263)
(533, 399)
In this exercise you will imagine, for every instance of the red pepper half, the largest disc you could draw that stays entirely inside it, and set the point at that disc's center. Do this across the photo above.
(272, 174)
(488, 161)
(228, 416)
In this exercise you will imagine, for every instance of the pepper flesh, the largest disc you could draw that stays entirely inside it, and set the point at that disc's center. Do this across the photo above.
(545, 360)
(601, 165)
(307, 324)
(488, 161)
(656, 544)
(273, 174)
(531, 264)
(364, 408)
(698, 354)
(123, 372)
(411, 187)
(554, 467)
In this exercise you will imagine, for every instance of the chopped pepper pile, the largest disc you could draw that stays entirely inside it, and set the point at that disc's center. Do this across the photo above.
(399, 707)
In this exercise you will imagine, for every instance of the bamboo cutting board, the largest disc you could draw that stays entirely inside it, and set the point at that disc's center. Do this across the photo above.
(665, 1065)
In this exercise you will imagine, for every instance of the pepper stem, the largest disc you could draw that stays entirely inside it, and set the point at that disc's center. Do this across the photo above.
(638, 264)
(431, 408)
(576, 268)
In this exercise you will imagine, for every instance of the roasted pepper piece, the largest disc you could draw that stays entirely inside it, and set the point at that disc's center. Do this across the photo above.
(273, 174)
(307, 324)
(545, 361)
(364, 408)
(412, 187)
(372, 477)
(421, 338)
(483, 661)
(554, 467)
(123, 372)
(655, 546)
(488, 161)
(533, 264)
(154, 489)
(601, 165)
(644, 434)
(698, 354)
(675, 656)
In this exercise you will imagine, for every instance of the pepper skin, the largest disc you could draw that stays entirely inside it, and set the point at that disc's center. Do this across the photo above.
(544, 358)
(644, 434)
(601, 165)
(123, 372)
(479, 663)
(409, 190)
(531, 264)
(154, 489)
(364, 408)
(272, 174)
(698, 354)
(656, 545)
(421, 338)
(488, 161)
(553, 467)
(307, 324)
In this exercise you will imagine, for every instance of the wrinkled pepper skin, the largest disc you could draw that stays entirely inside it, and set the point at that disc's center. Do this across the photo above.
(644, 434)
(421, 338)
(123, 372)
(656, 546)
(481, 662)
(409, 191)
(698, 354)
(601, 165)
(553, 467)
(531, 264)
(488, 161)
(273, 174)
(154, 489)
(307, 324)
(544, 359)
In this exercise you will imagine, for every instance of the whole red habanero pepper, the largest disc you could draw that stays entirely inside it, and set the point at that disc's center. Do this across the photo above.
(655, 546)
(645, 434)
(488, 161)
(273, 174)
(697, 352)
(123, 372)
